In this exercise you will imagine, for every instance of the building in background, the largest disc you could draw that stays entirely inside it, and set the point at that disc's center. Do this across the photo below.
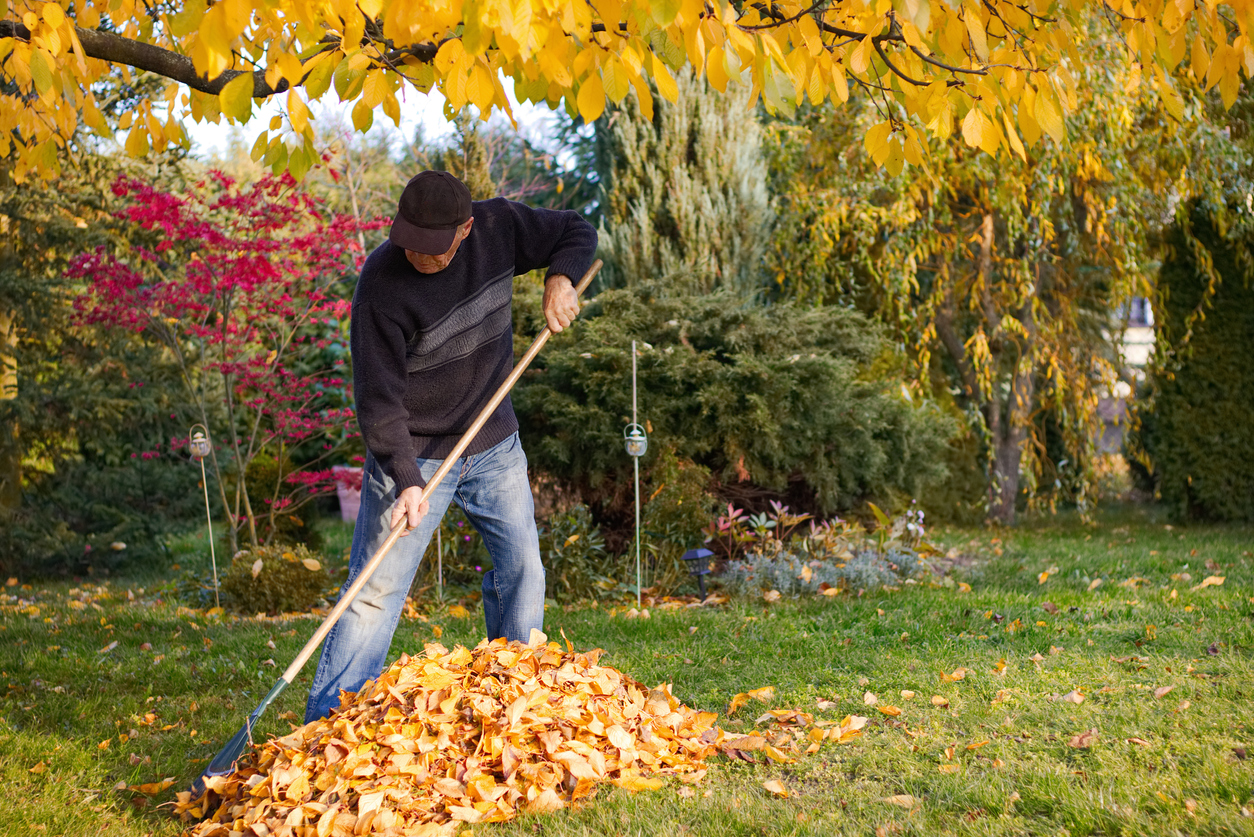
(1133, 341)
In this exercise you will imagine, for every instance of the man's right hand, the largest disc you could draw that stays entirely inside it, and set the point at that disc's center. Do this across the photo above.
(412, 505)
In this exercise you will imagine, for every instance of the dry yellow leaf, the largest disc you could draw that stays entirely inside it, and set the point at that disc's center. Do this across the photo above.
(903, 800)
(949, 768)
(458, 612)
(40, 767)
(766, 694)
(311, 564)
(1161, 691)
(776, 788)
(1209, 581)
(891, 711)
(937, 700)
(638, 783)
(870, 699)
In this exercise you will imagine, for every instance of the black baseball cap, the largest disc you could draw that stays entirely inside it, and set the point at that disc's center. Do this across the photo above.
(432, 207)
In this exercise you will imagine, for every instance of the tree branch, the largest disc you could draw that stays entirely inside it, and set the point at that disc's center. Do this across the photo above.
(111, 47)
(898, 72)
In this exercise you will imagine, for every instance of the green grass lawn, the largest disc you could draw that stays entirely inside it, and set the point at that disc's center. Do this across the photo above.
(109, 681)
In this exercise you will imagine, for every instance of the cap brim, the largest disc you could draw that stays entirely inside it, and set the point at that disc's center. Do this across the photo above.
(420, 239)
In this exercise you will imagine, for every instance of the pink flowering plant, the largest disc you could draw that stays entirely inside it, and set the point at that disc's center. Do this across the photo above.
(241, 284)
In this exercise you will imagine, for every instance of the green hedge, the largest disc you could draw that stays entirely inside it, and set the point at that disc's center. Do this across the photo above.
(1198, 431)
(778, 397)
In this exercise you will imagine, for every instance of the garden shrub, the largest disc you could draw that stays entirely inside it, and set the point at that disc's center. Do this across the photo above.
(1195, 431)
(575, 562)
(836, 554)
(774, 397)
(97, 514)
(295, 526)
(275, 579)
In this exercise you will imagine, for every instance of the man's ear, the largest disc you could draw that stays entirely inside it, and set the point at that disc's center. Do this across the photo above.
(466, 227)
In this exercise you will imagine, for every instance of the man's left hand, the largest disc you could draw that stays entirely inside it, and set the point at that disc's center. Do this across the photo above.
(561, 303)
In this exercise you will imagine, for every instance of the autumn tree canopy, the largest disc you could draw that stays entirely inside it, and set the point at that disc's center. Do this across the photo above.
(1002, 72)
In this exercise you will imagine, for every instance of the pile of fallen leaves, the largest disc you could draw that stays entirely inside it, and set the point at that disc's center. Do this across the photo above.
(459, 736)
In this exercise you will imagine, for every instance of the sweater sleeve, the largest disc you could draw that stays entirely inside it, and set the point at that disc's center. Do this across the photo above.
(561, 240)
(379, 380)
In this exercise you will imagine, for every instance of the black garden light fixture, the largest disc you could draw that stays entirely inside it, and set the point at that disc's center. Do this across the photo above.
(698, 561)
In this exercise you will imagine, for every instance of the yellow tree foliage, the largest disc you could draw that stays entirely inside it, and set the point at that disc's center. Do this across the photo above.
(996, 71)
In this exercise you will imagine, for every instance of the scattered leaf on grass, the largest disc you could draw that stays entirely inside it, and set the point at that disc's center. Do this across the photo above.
(1037, 658)
(1049, 607)
(891, 711)
(109, 647)
(949, 768)
(776, 788)
(937, 700)
(906, 694)
(1073, 696)
(1094, 584)
(1209, 581)
(1084, 739)
(1140, 741)
(638, 783)
(870, 699)
(41, 767)
(903, 800)
(766, 694)
(975, 745)
(154, 788)
(771, 595)
(1162, 691)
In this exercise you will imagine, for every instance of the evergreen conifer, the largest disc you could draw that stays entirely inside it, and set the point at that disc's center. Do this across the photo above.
(684, 196)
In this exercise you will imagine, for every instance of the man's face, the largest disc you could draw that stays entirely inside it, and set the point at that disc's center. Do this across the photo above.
(424, 263)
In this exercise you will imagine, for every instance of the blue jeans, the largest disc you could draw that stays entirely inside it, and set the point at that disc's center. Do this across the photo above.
(492, 489)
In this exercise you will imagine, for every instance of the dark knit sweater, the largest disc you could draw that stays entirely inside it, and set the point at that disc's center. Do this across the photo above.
(429, 350)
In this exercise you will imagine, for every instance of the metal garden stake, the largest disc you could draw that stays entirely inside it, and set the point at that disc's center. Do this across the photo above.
(199, 446)
(637, 443)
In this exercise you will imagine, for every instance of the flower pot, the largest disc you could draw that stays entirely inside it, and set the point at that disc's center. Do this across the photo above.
(348, 489)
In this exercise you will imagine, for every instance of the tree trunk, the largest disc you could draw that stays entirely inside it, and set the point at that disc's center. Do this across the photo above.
(10, 447)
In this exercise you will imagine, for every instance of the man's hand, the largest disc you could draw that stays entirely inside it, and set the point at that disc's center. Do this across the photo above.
(412, 505)
(561, 303)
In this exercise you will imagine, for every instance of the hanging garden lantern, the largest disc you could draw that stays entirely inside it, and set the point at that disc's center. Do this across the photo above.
(199, 445)
(200, 448)
(635, 440)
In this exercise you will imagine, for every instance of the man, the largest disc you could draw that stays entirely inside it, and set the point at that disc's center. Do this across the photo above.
(432, 340)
